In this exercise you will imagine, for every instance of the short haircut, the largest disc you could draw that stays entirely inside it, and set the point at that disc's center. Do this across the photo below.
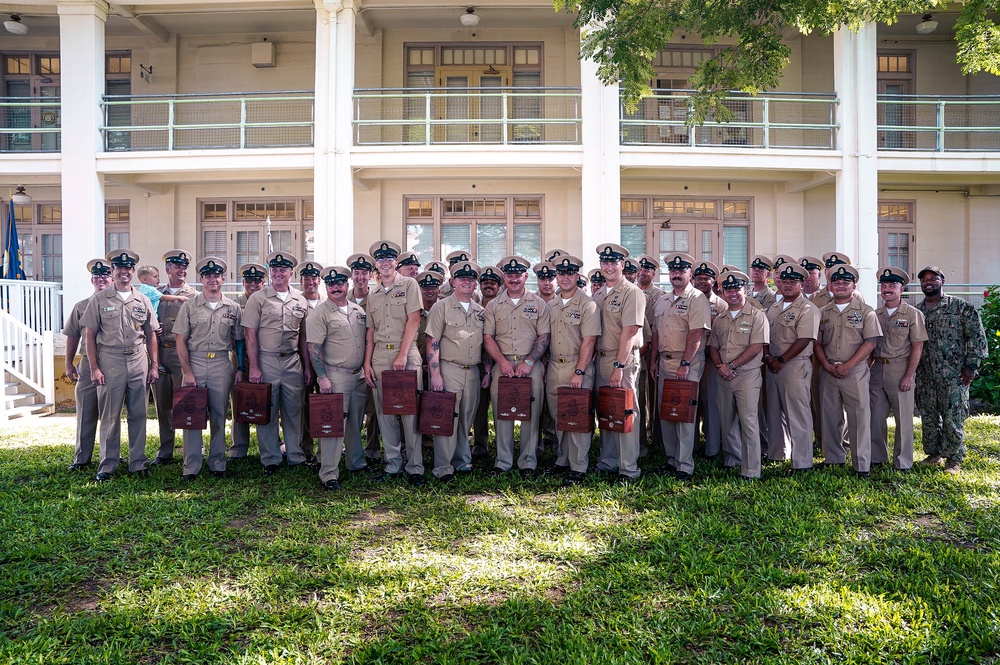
(146, 271)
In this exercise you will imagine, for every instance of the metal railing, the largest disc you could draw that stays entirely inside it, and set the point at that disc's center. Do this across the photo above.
(772, 120)
(973, 293)
(28, 357)
(38, 305)
(452, 116)
(939, 124)
(30, 124)
(206, 121)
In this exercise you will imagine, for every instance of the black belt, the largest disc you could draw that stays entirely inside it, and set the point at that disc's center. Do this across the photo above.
(277, 354)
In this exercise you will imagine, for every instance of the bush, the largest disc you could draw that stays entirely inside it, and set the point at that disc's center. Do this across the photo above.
(986, 387)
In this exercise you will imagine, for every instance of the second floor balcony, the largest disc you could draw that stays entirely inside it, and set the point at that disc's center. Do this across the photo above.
(931, 123)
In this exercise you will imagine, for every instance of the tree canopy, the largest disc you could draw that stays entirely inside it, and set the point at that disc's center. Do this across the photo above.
(622, 37)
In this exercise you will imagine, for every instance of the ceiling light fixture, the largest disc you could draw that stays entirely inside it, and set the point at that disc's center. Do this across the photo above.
(469, 18)
(14, 25)
(20, 197)
(927, 25)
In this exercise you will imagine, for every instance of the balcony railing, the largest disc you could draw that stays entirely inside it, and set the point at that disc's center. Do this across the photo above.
(454, 116)
(30, 124)
(207, 121)
(774, 120)
(939, 124)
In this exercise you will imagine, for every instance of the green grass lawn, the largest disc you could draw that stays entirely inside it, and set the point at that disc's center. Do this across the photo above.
(816, 568)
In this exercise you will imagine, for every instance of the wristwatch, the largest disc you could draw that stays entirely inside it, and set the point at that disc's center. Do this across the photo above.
(685, 363)
(780, 359)
(529, 362)
(579, 372)
(619, 365)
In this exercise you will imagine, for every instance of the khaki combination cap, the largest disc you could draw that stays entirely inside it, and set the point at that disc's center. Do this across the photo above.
(596, 275)
(489, 272)
(835, 258)
(733, 279)
(211, 265)
(649, 262)
(552, 254)
(308, 269)
(280, 259)
(179, 256)
(513, 264)
(253, 271)
(458, 255)
(707, 268)
(841, 272)
(762, 262)
(385, 249)
(429, 279)
(782, 259)
(360, 262)
(466, 269)
(544, 270)
(893, 274)
(678, 261)
(123, 258)
(568, 264)
(631, 265)
(335, 274)
(792, 271)
(609, 251)
(408, 259)
(99, 267)
(811, 263)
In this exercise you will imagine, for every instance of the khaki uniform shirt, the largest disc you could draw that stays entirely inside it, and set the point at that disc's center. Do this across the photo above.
(899, 331)
(799, 320)
(571, 322)
(732, 335)
(841, 333)
(119, 323)
(516, 327)
(206, 329)
(624, 305)
(766, 296)
(242, 300)
(364, 301)
(72, 327)
(168, 310)
(342, 335)
(422, 334)
(674, 318)
(459, 333)
(388, 308)
(278, 322)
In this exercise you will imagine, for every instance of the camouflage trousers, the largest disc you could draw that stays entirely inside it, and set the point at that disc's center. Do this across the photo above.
(944, 406)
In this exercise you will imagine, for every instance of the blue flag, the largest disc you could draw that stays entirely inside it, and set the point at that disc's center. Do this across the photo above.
(12, 268)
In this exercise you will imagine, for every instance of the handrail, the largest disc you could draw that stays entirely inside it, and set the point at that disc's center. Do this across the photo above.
(902, 135)
(38, 305)
(28, 356)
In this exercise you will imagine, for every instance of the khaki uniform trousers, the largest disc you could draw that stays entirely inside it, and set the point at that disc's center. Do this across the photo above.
(373, 444)
(481, 425)
(678, 438)
(619, 451)
(163, 396)
(886, 397)
(124, 385)
(285, 377)
(216, 374)
(850, 394)
(307, 440)
(708, 410)
(789, 415)
(452, 453)
(240, 443)
(331, 449)
(87, 414)
(738, 400)
(527, 458)
(397, 430)
(574, 447)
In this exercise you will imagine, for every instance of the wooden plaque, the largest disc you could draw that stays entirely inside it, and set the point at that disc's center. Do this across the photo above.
(326, 415)
(513, 398)
(437, 413)
(252, 403)
(615, 409)
(190, 409)
(573, 407)
(399, 392)
(679, 402)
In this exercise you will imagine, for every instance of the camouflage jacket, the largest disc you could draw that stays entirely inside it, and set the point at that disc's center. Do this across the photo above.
(956, 338)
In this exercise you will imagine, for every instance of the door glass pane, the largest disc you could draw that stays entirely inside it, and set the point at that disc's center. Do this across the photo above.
(490, 108)
(117, 240)
(420, 239)
(491, 243)
(247, 247)
(706, 245)
(735, 246)
(528, 242)
(634, 238)
(455, 237)
(457, 108)
(119, 116)
(26, 241)
(310, 241)
(282, 241)
(674, 241)
(51, 257)
(50, 118)
(898, 250)
(17, 117)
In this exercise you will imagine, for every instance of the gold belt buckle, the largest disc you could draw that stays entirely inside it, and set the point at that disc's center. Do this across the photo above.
(129, 352)
(390, 346)
(210, 355)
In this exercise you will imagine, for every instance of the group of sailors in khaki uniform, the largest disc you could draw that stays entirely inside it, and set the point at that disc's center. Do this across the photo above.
(767, 360)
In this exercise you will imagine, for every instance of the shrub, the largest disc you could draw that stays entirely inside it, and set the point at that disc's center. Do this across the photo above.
(986, 387)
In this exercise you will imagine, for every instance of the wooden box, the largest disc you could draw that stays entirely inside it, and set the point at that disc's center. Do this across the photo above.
(573, 407)
(679, 402)
(190, 409)
(399, 392)
(437, 413)
(326, 415)
(252, 403)
(513, 398)
(615, 409)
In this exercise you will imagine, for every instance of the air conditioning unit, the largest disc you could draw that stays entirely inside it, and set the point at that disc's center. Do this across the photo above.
(262, 55)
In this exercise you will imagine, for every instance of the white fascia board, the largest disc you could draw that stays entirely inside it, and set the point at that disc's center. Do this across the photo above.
(210, 162)
(741, 160)
(890, 161)
(466, 157)
(30, 164)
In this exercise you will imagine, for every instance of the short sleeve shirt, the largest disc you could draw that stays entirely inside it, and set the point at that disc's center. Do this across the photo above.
(900, 331)
(205, 329)
(389, 307)
(623, 306)
(571, 322)
(732, 335)
(120, 323)
(841, 333)
(72, 327)
(341, 335)
(278, 322)
(516, 327)
(459, 333)
(800, 320)
(674, 317)
(167, 311)
(766, 296)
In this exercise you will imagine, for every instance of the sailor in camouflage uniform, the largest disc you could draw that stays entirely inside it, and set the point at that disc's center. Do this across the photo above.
(955, 347)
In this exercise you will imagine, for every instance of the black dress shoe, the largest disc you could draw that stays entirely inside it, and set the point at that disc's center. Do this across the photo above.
(331, 485)
(270, 470)
(189, 477)
(220, 474)
(665, 470)
(386, 477)
(103, 477)
(495, 471)
(463, 472)
(77, 467)
(447, 478)
(683, 476)
(141, 473)
(803, 470)
(528, 474)
(863, 475)
(622, 479)
(311, 462)
(416, 479)
(573, 478)
(161, 461)
(557, 469)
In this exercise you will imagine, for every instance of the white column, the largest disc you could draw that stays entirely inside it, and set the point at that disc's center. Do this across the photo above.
(81, 45)
(857, 181)
(333, 186)
(601, 178)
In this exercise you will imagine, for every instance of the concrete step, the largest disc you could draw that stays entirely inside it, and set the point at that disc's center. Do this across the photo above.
(10, 387)
(29, 410)
(15, 400)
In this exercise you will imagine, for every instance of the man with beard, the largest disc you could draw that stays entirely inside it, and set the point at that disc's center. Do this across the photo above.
(894, 370)
(207, 329)
(516, 335)
(176, 263)
(576, 325)
(122, 351)
(336, 337)
(253, 275)
(623, 312)
(794, 326)
(704, 277)
(490, 282)
(454, 351)
(85, 392)
(735, 349)
(308, 272)
(680, 319)
(760, 270)
(848, 333)
(955, 347)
